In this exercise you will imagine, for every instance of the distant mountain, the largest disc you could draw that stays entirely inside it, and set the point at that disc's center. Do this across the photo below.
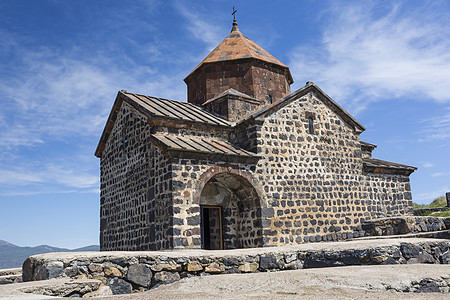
(87, 248)
(13, 256)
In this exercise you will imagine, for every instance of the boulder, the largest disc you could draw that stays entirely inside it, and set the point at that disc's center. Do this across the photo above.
(171, 266)
(112, 272)
(140, 274)
(425, 258)
(194, 266)
(55, 268)
(410, 250)
(95, 268)
(165, 277)
(215, 268)
(446, 258)
(268, 262)
(27, 270)
(427, 286)
(119, 286)
(249, 267)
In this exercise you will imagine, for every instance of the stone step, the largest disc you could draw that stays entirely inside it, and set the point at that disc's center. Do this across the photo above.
(6, 279)
(13, 271)
(440, 234)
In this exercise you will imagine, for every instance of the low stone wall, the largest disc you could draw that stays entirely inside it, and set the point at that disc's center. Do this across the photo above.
(404, 225)
(124, 272)
(421, 211)
(10, 275)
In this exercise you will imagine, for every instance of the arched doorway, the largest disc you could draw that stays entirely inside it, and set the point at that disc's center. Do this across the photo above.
(230, 213)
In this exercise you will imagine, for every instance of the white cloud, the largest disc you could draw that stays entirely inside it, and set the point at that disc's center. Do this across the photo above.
(19, 177)
(426, 198)
(436, 128)
(53, 97)
(199, 27)
(428, 165)
(49, 174)
(370, 52)
(59, 97)
(438, 174)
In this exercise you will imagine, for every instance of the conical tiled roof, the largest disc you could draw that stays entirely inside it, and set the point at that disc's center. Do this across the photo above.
(237, 46)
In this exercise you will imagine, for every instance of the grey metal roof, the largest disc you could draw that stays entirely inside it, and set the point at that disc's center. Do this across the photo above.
(377, 163)
(366, 144)
(201, 145)
(175, 110)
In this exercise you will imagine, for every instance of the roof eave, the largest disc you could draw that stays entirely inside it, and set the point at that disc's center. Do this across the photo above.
(152, 119)
(377, 166)
(109, 123)
(358, 127)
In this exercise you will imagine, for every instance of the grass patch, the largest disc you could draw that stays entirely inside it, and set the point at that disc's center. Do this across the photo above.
(438, 202)
(445, 213)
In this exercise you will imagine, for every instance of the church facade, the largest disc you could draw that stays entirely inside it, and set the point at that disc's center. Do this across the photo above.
(244, 163)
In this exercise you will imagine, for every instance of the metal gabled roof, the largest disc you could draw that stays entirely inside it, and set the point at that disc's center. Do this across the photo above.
(378, 163)
(175, 110)
(162, 110)
(200, 145)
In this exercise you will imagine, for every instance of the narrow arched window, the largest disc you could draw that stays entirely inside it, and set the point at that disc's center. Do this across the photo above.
(270, 99)
(310, 125)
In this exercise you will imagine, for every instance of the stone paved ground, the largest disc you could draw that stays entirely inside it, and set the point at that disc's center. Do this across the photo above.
(356, 282)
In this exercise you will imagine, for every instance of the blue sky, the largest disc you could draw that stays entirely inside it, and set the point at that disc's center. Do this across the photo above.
(62, 63)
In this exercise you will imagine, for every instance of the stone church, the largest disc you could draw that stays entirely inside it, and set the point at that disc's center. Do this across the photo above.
(243, 163)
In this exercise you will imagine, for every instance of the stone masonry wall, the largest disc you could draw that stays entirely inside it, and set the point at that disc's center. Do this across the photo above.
(251, 77)
(315, 181)
(387, 195)
(125, 272)
(135, 212)
(312, 186)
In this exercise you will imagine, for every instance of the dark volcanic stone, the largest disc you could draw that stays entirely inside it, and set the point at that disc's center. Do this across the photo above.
(140, 274)
(231, 261)
(166, 277)
(446, 258)
(268, 262)
(425, 258)
(428, 286)
(409, 250)
(319, 261)
(27, 270)
(351, 260)
(390, 261)
(119, 286)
